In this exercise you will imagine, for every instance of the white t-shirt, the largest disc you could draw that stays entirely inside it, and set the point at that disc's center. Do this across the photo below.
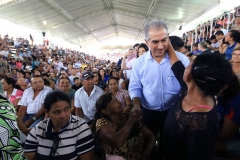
(4, 53)
(120, 83)
(16, 57)
(216, 45)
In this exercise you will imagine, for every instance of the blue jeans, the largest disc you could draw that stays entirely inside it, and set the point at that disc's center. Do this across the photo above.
(30, 116)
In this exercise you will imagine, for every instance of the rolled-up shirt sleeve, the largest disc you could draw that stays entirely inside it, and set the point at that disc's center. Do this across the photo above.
(77, 103)
(31, 143)
(135, 86)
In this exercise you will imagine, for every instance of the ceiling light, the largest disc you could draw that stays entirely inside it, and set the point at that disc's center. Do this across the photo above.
(2, 2)
(44, 22)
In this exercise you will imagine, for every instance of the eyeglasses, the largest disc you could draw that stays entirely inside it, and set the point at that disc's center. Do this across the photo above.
(236, 54)
(56, 140)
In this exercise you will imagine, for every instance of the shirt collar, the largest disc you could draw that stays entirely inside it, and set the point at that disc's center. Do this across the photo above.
(14, 92)
(149, 56)
(49, 129)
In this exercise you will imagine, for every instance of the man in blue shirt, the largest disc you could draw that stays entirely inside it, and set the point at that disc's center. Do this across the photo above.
(152, 83)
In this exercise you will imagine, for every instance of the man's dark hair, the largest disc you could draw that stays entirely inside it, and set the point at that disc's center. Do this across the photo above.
(46, 82)
(135, 45)
(75, 78)
(176, 42)
(195, 44)
(54, 97)
(212, 37)
(232, 90)
(218, 33)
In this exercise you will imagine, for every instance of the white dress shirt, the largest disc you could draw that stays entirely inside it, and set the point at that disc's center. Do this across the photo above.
(33, 106)
(87, 103)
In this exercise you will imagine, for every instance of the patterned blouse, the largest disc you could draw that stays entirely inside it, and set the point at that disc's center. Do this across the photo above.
(131, 149)
(121, 95)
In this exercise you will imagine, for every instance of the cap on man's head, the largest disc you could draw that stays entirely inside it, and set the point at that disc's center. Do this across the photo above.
(87, 75)
(218, 26)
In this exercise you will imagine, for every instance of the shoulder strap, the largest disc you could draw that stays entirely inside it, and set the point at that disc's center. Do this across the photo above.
(201, 106)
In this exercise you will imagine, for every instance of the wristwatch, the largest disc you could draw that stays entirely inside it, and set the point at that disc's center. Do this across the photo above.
(34, 118)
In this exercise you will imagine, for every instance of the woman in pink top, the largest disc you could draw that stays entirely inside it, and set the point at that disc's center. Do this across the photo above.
(19, 63)
(12, 94)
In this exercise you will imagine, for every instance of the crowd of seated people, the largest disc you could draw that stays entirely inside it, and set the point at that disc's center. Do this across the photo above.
(160, 101)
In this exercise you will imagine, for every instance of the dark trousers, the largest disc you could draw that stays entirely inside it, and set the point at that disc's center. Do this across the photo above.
(154, 121)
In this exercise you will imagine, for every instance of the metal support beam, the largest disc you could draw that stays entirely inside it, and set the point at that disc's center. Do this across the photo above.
(146, 17)
(65, 13)
(103, 28)
(9, 4)
(127, 13)
(111, 15)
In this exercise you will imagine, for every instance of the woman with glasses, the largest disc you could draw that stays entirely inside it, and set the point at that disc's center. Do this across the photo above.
(120, 135)
(62, 135)
(236, 62)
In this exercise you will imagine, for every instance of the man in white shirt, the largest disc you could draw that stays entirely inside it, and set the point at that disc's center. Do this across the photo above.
(86, 97)
(5, 53)
(59, 65)
(17, 43)
(215, 44)
(31, 109)
(17, 55)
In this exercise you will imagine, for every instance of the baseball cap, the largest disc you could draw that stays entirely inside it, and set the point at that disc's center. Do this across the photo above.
(87, 75)
(218, 26)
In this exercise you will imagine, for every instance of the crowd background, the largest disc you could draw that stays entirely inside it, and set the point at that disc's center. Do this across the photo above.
(25, 66)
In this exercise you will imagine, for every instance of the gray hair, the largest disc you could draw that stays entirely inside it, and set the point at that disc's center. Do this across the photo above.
(203, 45)
(155, 24)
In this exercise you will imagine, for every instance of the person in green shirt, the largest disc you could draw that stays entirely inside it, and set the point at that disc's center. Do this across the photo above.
(10, 146)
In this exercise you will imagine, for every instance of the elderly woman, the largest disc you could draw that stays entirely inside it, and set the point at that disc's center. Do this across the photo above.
(191, 127)
(12, 94)
(121, 136)
(236, 62)
(121, 94)
(63, 136)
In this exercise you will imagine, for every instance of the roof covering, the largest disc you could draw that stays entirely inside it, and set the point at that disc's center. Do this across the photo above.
(84, 22)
